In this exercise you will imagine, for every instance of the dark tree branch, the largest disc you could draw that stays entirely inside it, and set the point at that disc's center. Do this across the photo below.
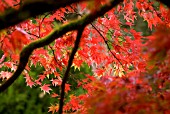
(57, 32)
(31, 8)
(166, 2)
(66, 75)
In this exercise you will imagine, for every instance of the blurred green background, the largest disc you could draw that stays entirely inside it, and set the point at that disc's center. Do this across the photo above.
(20, 99)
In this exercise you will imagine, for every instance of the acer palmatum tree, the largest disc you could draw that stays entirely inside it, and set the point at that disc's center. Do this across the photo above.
(129, 74)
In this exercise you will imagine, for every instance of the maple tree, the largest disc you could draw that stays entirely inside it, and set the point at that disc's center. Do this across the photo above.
(73, 46)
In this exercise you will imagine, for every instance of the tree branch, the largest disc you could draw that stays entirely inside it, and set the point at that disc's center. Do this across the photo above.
(76, 45)
(31, 8)
(57, 32)
(166, 2)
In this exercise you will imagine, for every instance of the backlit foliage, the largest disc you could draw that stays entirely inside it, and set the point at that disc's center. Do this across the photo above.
(117, 69)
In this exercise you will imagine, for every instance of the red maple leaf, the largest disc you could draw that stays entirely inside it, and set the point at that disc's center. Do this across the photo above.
(46, 88)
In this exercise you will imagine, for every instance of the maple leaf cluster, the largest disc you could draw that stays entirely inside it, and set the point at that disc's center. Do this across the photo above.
(113, 70)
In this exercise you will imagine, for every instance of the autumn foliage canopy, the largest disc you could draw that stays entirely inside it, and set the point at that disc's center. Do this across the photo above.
(92, 56)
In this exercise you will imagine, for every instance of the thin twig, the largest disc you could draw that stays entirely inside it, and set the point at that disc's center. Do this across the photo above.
(66, 75)
(32, 34)
(108, 46)
(40, 23)
(55, 57)
(102, 38)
